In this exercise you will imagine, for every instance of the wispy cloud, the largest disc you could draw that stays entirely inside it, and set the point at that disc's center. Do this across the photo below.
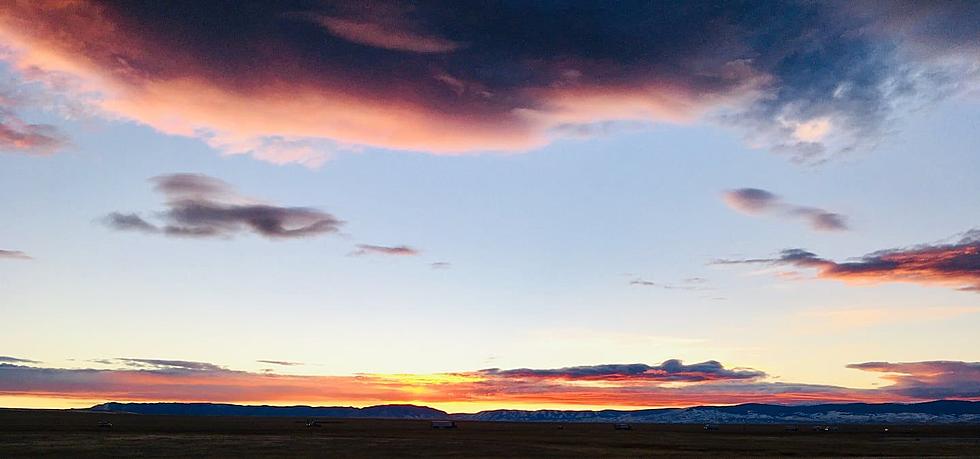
(383, 25)
(440, 265)
(954, 264)
(691, 283)
(14, 255)
(280, 363)
(397, 250)
(161, 364)
(8, 359)
(205, 207)
(20, 136)
(129, 222)
(755, 201)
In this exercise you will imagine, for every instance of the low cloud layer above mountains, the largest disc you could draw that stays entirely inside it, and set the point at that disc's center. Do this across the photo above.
(671, 383)
(670, 370)
(925, 380)
(290, 81)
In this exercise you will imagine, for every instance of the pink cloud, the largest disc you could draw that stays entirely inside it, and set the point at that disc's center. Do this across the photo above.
(385, 36)
(398, 250)
(755, 201)
(14, 255)
(289, 86)
(955, 264)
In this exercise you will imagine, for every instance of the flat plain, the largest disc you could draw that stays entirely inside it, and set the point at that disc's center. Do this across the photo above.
(57, 433)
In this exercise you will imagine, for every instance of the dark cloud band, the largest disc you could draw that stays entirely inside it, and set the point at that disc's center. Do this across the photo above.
(670, 370)
(15, 360)
(811, 79)
(671, 383)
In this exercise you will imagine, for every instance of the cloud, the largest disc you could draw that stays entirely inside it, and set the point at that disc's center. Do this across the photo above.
(129, 222)
(280, 362)
(440, 265)
(691, 283)
(808, 79)
(159, 364)
(385, 25)
(205, 207)
(399, 250)
(19, 136)
(822, 220)
(928, 380)
(751, 200)
(671, 383)
(755, 201)
(14, 255)
(8, 359)
(670, 370)
(954, 264)
(372, 34)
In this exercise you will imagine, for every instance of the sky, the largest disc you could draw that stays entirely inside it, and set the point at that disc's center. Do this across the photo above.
(503, 205)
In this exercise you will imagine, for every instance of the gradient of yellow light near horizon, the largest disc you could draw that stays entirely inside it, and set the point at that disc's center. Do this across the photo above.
(424, 379)
(34, 402)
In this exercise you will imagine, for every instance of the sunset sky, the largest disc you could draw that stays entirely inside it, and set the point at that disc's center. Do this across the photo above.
(499, 204)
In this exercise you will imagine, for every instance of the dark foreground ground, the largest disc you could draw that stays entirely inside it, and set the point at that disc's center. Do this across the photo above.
(74, 434)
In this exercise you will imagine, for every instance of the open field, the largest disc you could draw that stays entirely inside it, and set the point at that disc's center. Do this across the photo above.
(74, 434)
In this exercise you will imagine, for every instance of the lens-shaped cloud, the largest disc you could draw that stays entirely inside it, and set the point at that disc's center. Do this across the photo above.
(14, 255)
(290, 82)
(202, 206)
(395, 250)
(755, 201)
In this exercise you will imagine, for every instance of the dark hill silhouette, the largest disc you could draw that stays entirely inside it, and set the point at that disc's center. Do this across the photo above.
(226, 409)
(940, 411)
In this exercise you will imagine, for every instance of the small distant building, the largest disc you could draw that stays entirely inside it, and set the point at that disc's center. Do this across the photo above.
(622, 426)
(712, 427)
(443, 424)
(313, 423)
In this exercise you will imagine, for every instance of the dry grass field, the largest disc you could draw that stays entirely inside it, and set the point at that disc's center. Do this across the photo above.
(77, 434)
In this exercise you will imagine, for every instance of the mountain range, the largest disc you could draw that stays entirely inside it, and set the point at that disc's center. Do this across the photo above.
(940, 411)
